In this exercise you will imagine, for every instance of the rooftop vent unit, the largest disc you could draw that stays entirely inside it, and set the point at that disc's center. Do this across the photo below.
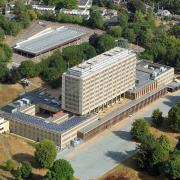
(19, 103)
(162, 69)
(154, 74)
(106, 54)
(25, 101)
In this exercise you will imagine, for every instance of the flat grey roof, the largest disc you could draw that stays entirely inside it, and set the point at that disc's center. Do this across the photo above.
(100, 62)
(46, 41)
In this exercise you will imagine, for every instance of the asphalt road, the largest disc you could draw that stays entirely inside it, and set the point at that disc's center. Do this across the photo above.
(95, 157)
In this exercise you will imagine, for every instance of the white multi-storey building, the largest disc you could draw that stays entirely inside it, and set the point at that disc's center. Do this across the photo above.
(98, 82)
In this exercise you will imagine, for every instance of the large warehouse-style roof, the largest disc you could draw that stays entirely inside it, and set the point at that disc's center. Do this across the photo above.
(47, 41)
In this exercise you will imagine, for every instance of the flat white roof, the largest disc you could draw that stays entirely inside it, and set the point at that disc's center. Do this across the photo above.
(98, 63)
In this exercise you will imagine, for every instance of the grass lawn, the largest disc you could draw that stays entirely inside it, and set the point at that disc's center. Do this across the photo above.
(9, 92)
(19, 150)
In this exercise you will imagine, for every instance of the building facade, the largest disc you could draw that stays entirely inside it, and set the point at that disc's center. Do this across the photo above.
(98, 82)
(4, 125)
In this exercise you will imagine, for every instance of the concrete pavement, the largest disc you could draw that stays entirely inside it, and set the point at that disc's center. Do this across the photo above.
(99, 155)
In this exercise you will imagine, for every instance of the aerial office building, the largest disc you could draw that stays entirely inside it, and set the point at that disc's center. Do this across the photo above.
(98, 82)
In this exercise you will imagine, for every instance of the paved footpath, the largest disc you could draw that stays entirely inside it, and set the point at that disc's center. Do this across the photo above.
(111, 147)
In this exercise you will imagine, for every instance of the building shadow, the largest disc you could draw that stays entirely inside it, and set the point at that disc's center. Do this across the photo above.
(21, 157)
(119, 157)
(123, 135)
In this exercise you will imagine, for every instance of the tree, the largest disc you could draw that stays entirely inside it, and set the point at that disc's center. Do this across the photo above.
(123, 20)
(25, 19)
(57, 61)
(4, 72)
(152, 153)
(51, 74)
(88, 50)
(174, 117)
(157, 118)
(32, 14)
(19, 7)
(130, 35)
(2, 3)
(95, 20)
(73, 55)
(5, 53)
(45, 153)
(60, 170)
(10, 165)
(14, 28)
(172, 5)
(27, 69)
(24, 171)
(140, 129)
(135, 5)
(15, 75)
(143, 150)
(62, 17)
(175, 30)
(1, 34)
(172, 166)
(115, 31)
(105, 3)
(69, 4)
(105, 42)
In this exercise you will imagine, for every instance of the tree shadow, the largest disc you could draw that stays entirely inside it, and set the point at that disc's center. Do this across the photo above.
(25, 157)
(171, 99)
(119, 157)
(3, 167)
(5, 173)
(123, 135)
(37, 177)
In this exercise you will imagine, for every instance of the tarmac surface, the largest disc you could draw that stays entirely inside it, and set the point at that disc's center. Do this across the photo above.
(95, 157)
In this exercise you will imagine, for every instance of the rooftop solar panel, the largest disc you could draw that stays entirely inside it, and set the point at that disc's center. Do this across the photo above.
(49, 40)
(40, 122)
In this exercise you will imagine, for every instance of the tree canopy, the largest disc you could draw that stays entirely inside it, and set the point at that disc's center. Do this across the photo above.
(174, 117)
(5, 53)
(135, 5)
(157, 118)
(115, 31)
(140, 129)
(104, 43)
(152, 152)
(27, 69)
(60, 170)
(4, 72)
(45, 153)
(24, 171)
(95, 20)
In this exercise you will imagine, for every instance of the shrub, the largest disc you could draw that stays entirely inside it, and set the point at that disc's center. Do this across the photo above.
(10, 165)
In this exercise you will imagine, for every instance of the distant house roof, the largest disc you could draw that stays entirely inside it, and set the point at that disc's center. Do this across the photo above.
(85, 3)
